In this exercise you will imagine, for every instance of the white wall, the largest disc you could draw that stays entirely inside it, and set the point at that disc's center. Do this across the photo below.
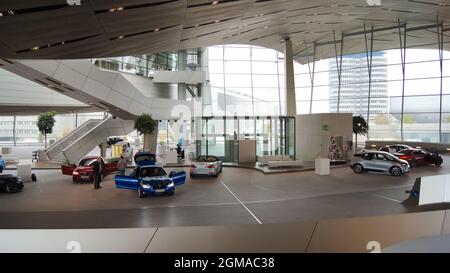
(311, 138)
(16, 90)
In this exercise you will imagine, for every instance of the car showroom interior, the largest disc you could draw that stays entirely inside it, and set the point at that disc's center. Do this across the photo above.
(225, 126)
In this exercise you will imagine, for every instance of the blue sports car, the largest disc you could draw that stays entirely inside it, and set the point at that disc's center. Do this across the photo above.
(151, 180)
(2, 164)
(148, 178)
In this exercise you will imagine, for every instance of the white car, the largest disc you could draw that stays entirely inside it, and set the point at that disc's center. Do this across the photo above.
(206, 165)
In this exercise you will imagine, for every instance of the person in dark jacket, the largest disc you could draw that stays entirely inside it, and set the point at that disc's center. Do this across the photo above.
(97, 166)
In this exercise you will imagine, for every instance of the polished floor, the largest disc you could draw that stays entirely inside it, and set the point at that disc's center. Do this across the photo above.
(237, 196)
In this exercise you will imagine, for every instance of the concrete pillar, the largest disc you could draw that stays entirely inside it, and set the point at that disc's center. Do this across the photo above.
(150, 142)
(102, 147)
(182, 61)
(289, 80)
(205, 89)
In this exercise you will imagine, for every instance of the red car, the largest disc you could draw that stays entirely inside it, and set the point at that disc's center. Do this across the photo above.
(84, 171)
(419, 157)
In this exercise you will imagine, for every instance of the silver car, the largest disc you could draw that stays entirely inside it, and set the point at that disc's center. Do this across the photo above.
(206, 165)
(378, 161)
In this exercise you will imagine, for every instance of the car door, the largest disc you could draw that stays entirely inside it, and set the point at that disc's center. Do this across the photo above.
(368, 161)
(380, 162)
(126, 182)
(178, 178)
(67, 169)
(109, 167)
(419, 157)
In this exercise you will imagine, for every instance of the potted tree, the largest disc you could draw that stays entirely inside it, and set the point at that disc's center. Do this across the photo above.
(45, 124)
(145, 125)
(360, 127)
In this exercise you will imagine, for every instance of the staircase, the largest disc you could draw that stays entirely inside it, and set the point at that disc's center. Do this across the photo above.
(55, 151)
(84, 144)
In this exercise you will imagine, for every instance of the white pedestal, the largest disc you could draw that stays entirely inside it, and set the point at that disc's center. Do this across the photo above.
(24, 172)
(322, 166)
(171, 157)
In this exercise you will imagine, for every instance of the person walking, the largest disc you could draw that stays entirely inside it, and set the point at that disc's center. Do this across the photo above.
(97, 166)
(122, 165)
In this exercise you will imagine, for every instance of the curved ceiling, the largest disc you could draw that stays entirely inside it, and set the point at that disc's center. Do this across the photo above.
(52, 29)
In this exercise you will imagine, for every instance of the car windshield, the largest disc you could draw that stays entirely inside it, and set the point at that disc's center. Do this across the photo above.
(205, 158)
(152, 171)
(391, 157)
(86, 162)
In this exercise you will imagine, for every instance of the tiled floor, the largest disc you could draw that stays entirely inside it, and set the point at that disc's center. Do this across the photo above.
(237, 196)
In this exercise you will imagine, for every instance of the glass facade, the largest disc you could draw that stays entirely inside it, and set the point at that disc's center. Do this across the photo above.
(413, 116)
(220, 136)
(23, 129)
(246, 81)
(143, 65)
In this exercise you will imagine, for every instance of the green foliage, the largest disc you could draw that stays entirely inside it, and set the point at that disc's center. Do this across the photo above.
(45, 122)
(145, 124)
(360, 126)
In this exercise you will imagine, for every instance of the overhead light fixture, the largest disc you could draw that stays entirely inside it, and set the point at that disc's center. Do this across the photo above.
(197, 25)
(156, 29)
(120, 37)
(1, 14)
(35, 48)
(10, 12)
(217, 21)
(115, 9)
(215, 2)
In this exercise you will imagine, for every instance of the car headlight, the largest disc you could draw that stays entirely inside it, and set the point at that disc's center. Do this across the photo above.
(146, 186)
(75, 173)
(171, 184)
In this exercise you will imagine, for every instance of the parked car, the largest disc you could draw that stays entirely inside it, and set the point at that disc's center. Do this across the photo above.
(113, 140)
(84, 172)
(10, 183)
(394, 148)
(206, 165)
(144, 158)
(379, 161)
(151, 180)
(420, 157)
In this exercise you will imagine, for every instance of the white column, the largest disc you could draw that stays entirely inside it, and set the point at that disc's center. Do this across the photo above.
(289, 81)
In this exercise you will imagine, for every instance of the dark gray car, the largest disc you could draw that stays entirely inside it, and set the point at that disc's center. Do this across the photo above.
(378, 161)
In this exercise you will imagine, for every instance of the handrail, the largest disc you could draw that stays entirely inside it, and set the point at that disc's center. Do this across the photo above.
(56, 149)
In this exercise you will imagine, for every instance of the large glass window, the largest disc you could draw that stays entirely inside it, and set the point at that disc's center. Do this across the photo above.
(246, 81)
(419, 102)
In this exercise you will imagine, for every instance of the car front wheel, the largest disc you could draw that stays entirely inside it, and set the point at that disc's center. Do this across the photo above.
(396, 171)
(358, 168)
(11, 187)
